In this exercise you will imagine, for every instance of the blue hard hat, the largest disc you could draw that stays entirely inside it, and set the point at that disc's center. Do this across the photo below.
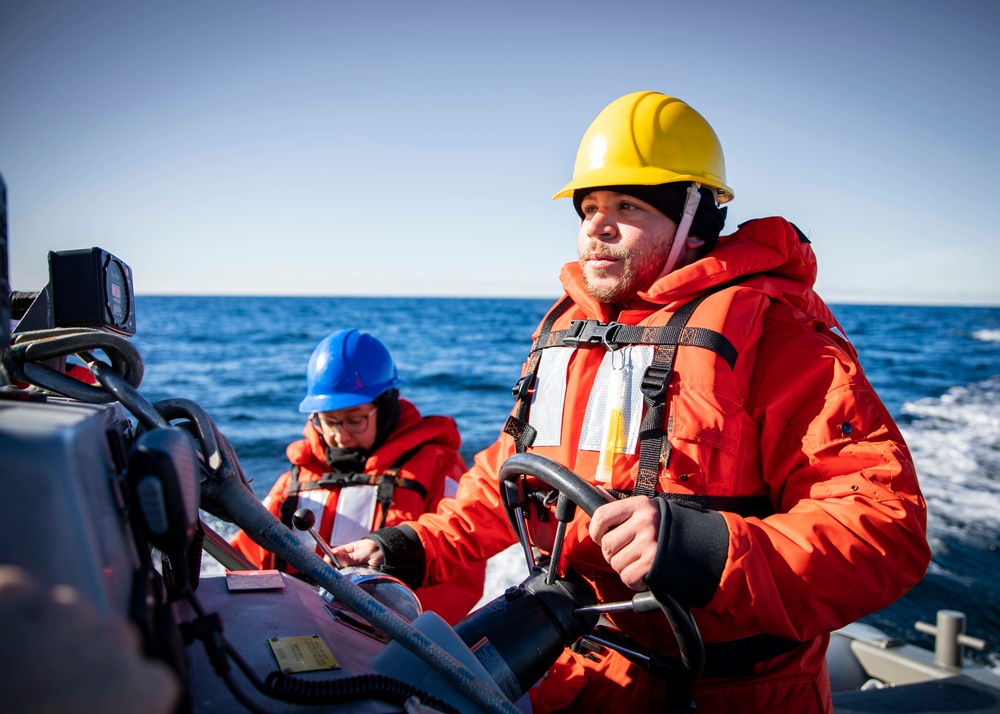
(346, 369)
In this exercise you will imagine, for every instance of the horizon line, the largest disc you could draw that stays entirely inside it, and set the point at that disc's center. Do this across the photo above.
(898, 302)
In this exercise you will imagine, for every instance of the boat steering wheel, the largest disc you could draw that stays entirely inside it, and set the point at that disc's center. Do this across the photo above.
(574, 491)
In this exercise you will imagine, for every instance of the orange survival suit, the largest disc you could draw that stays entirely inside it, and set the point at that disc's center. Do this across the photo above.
(790, 502)
(409, 474)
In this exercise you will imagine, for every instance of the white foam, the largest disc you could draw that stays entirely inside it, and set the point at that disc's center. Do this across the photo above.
(987, 335)
(954, 440)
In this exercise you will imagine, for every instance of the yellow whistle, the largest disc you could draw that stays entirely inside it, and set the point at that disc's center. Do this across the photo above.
(614, 428)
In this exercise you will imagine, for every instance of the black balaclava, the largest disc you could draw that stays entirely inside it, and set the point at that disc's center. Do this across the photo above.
(386, 419)
(668, 199)
(387, 416)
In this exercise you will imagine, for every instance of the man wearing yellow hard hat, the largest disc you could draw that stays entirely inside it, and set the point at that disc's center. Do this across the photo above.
(697, 378)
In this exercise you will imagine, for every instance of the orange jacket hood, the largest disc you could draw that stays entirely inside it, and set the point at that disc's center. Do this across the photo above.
(413, 429)
(766, 245)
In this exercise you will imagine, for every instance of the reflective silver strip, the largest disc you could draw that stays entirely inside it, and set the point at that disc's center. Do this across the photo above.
(636, 359)
(355, 514)
(550, 396)
(315, 501)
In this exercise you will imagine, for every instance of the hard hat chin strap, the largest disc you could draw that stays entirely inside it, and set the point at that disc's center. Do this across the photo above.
(681, 234)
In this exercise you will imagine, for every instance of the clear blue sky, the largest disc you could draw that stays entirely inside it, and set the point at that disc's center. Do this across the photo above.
(402, 148)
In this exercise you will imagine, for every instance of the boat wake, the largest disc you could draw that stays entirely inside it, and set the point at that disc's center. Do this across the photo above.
(955, 441)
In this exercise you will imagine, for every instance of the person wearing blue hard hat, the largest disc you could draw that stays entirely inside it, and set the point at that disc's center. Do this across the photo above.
(369, 459)
(352, 378)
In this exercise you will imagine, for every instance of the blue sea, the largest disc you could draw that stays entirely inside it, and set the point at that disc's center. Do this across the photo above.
(936, 368)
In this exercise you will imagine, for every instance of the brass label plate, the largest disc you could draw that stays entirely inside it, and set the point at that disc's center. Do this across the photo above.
(306, 653)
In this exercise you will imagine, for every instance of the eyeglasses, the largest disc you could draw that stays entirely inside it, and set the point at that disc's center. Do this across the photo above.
(354, 424)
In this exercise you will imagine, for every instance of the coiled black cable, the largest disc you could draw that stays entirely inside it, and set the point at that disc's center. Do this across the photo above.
(354, 689)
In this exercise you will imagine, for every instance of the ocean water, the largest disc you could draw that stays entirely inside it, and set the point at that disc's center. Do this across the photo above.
(936, 368)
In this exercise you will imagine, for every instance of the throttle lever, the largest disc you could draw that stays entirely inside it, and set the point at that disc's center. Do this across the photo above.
(304, 520)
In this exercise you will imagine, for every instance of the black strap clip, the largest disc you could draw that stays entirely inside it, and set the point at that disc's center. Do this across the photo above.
(520, 389)
(654, 382)
(592, 332)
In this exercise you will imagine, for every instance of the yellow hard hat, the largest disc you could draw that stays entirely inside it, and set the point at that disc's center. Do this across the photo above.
(647, 139)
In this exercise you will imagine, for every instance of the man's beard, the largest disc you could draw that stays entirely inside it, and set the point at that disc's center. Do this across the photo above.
(637, 273)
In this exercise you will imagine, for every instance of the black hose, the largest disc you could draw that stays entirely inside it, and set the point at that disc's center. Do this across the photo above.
(208, 629)
(41, 345)
(241, 696)
(32, 349)
(125, 393)
(41, 375)
(201, 426)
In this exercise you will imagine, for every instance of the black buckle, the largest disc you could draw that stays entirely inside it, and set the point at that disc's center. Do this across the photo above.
(520, 389)
(654, 382)
(592, 332)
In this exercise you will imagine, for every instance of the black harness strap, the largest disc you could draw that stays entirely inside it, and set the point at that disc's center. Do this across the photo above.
(385, 482)
(517, 424)
(288, 508)
(746, 506)
(614, 335)
(654, 447)
(654, 444)
(737, 658)
(291, 503)
(332, 480)
(390, 480)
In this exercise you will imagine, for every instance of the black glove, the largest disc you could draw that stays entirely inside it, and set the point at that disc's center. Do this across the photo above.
(404, 555)
(690, 553)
